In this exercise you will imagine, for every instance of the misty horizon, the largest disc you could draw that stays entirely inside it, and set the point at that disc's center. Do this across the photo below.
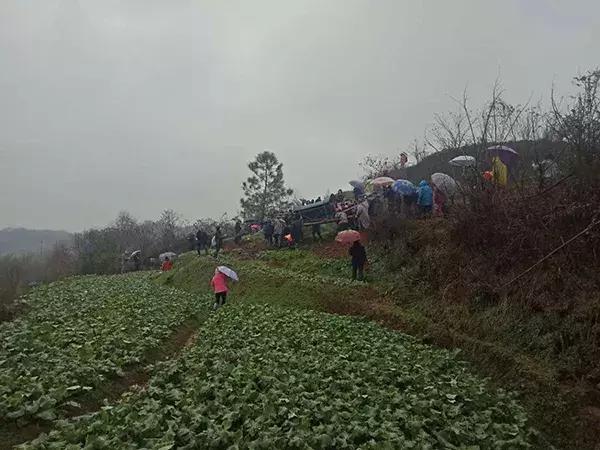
(144, 106)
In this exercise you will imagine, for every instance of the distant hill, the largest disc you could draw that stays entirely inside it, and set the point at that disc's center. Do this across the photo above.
(529, 151)
(21, 240)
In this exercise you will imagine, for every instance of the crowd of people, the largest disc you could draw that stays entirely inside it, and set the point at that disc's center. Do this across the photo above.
(345, 210)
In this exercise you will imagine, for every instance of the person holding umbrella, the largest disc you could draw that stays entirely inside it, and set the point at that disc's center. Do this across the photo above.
(424, 198)
(166, 265)
(136, 257)
(439, 201)
(357, 252)
(219, 284)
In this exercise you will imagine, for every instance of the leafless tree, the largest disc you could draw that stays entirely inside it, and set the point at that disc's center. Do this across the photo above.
(379, 165)
(576, 122)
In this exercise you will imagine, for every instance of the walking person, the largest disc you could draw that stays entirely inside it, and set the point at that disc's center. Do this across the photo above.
(359, 259)
(219, 286)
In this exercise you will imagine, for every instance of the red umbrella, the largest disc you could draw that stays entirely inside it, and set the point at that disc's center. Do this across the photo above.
(347, 237)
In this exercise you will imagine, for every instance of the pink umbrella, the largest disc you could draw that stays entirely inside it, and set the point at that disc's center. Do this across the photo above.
(383, 181)
(347, 237)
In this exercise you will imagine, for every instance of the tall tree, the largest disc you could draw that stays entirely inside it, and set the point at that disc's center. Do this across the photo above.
(264, 190)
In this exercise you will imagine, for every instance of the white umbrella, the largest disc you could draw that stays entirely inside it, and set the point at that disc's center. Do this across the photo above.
(228, 272)
(137, 252)
(503, 148)
(444, 182)
(463, 161)
(169, 255)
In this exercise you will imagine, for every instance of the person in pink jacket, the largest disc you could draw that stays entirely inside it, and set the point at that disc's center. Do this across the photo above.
(219, 286)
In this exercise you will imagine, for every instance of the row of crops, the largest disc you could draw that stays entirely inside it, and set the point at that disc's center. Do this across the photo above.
(262, 376)
(79, 333)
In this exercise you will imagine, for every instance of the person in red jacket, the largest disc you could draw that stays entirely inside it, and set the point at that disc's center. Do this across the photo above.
(219, 285)
(166, 265)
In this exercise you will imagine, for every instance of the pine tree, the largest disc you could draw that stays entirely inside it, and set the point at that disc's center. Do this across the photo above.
(264, 191)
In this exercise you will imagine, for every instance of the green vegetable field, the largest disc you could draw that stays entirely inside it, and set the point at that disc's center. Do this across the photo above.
(264, 376)
(79, 333)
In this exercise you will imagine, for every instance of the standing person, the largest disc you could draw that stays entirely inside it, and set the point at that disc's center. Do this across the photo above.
(339, 197)
(424, 198)
(137, 260)
(362, 215)
(202, 242)
(278, 231)
(358, 192)
(191, 241)
(316, 231)
(389, 199)
(219, 286)
(359, 259)
(410, 202)
(342, 221)
(124, 259)
(218, 239)
(296, 229)
(166, 265)
(268, 230)
(238, 232)
(439, 201)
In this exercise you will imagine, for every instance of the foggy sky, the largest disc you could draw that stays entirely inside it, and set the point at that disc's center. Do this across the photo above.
(143, 105)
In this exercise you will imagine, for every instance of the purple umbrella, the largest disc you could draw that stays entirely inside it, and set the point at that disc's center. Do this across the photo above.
(506, 154)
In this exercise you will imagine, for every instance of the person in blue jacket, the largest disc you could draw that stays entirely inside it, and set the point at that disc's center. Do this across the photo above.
(424, 198)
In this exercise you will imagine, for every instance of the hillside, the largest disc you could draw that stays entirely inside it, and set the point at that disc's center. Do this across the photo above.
(22, 240)
(270, 369)
(529, 152)
(504, 342)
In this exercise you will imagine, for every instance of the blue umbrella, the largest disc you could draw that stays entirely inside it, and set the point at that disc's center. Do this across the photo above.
(404, 187)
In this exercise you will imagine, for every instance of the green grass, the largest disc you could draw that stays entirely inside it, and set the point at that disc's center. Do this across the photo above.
(262, 282)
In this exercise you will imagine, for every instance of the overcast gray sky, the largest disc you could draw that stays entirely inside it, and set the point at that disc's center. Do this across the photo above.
(142, 105)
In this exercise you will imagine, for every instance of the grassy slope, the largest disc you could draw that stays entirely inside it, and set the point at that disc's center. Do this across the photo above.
(487, 337)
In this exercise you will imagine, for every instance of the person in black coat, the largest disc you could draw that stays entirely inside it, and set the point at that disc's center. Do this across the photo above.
(359, 259)
(202, 242)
